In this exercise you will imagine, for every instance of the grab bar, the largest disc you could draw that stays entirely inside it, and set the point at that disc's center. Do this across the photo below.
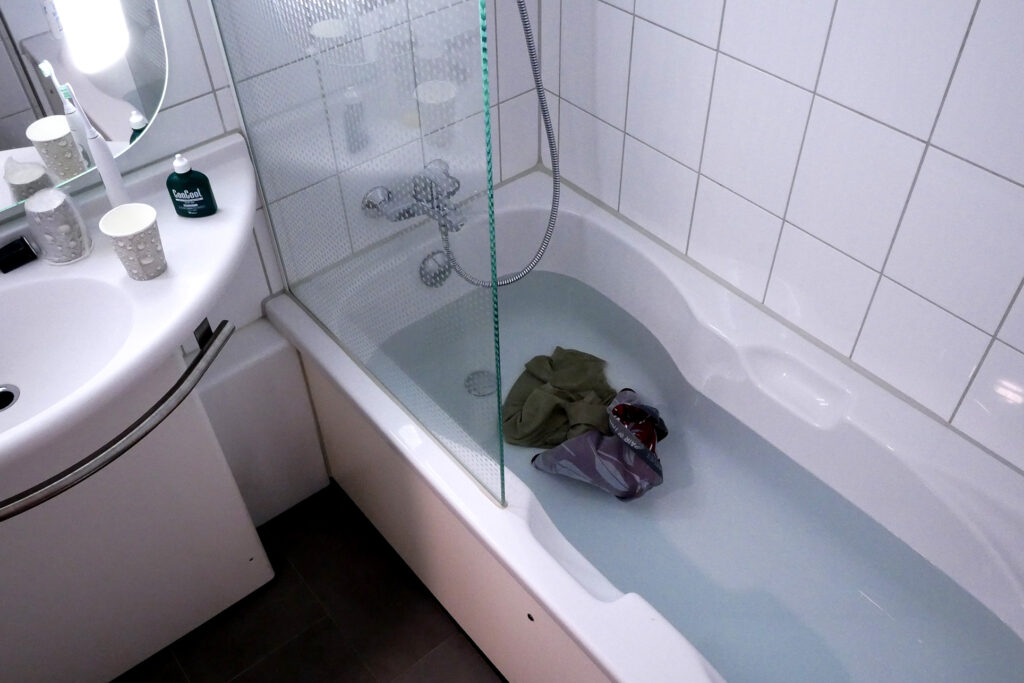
(116, 447)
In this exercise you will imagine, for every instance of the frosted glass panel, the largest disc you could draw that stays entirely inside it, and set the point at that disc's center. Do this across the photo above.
(366, 121)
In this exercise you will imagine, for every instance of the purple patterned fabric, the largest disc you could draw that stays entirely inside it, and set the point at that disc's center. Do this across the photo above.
(624, 464)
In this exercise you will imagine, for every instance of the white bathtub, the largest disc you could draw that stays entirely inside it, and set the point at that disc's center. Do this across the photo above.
(958, 506)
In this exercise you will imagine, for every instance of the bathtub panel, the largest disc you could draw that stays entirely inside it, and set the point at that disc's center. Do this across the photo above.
(516, 633)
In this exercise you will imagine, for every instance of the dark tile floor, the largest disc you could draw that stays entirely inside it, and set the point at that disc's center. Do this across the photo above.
(343, 606)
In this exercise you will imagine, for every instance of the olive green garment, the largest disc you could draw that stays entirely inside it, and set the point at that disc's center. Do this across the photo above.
(556, 398)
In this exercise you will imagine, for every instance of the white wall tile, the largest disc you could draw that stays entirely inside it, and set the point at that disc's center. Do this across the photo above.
(657, 193)
(519, 124)
(12, 128)
(595, 58)
(268, 251)
(696, 19)
(754, 133)
(853, 181)
(554, 107)
(919, 348)
(626, 5)
(209, 38)
(733, 237)
(993, 410)
(981, 119)
(261, 36)
(228, 106)
(591, 153)
(961, 243)
(550, 42)
(322, 239)
(1012, 331)
(669, 87)
(892, 60)
(785, 39)
(390, 170)
(14, 99)
(186, 71)
(24, 18)
(462, 147)
(288, 129)
(514, 75)
(820, 289)
(173, 130)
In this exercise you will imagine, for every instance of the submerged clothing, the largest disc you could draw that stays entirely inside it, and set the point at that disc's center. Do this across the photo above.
(556, 398)
(625, 464)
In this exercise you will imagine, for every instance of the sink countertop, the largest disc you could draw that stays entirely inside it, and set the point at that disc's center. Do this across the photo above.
(202, 255)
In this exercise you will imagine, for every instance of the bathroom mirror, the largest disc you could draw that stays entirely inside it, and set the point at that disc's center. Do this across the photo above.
(134, 81)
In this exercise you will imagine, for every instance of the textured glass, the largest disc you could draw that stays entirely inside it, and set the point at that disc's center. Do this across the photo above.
(340, 97)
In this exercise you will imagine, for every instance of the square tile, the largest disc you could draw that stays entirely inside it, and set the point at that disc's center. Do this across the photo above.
(520, 129)
(961, 243)
(785, 39)
(311, 229)
(209, 38)
(393, 170)
(462, 147)
(550, 43)
(186, 73)
(981, 118)
(993, 410)
(456, 659)
(919, 348)
(515, 75)
(446, 47)
(591, 153)
(228, 106)
(819, 289)
(696, 19)
(244, 633)
(321, 653)
(892, 61)
(853, 181)
(260, 36)
(669, 88)
(1012, 331)
(288, 131)
(14, 99)
(176, 128)
(595, 58)
(657, 193)
(754, 133)
(733, 237)
(554, 107)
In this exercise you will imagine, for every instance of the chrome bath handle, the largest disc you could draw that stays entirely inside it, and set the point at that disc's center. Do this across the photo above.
(116, 447)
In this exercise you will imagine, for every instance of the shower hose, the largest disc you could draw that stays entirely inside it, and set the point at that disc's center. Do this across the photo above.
(545, 113)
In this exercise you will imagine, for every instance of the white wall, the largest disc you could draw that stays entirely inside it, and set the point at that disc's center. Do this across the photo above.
(855, 167)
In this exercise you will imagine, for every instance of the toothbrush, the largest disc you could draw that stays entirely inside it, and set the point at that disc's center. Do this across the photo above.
(79, 128)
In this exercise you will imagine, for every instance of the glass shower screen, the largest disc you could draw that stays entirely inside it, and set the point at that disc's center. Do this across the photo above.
(366, 120)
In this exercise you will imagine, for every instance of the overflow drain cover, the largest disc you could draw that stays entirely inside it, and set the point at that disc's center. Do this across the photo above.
(8, 395)
(481, 383)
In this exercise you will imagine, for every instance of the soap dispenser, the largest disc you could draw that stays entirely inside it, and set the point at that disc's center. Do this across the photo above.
(190, 190)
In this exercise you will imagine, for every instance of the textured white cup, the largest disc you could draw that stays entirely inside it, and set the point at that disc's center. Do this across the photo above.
(55, 228)
(436, 100)
(136, 238)
(51, 136)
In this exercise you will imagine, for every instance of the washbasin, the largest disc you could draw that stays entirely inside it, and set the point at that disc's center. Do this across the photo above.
(56, 335)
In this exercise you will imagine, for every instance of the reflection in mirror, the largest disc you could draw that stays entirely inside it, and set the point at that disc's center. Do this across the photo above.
(133, 81)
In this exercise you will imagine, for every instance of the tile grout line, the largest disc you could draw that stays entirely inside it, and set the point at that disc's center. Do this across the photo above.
(266, 655)
(625, 113)
(913, 183)
(707, 124)
(984, 356)
(799, 154)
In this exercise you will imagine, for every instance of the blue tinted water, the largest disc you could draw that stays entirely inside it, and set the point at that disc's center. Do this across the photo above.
(766, 570)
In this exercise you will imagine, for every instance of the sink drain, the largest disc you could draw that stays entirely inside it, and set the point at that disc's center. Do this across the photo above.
(8, 395)
(481, 383)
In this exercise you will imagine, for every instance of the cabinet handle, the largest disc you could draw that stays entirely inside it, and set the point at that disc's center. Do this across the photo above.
(116, 447)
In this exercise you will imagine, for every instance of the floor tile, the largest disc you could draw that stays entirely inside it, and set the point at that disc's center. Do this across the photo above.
(160, 668)
(241, 635)
(321, 654)
(456, 660)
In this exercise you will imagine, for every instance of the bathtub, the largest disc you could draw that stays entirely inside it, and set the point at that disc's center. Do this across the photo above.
(947, 515)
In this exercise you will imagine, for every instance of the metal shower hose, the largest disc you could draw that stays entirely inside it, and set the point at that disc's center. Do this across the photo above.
(545, 113)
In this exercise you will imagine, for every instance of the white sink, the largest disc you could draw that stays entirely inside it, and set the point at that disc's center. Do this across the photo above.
(57, 335)
(74, 338)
